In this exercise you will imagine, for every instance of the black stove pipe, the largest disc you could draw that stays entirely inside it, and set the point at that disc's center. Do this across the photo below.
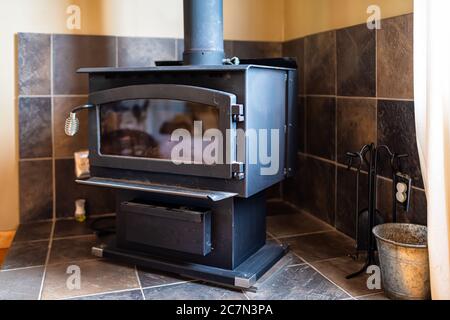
(203, 32)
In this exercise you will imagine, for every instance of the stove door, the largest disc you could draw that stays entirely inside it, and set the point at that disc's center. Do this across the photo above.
(171, 129)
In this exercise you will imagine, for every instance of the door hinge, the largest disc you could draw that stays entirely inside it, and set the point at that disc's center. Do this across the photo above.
(238, 113)
(238, 169)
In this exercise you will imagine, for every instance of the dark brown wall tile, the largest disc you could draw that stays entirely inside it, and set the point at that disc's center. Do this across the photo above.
(143, 52)
(418, 210)
(321, 124)
(301, 124)
(34, 64)
(274, 192)
(320, 63)
(35, 133)
(36, 191)
(294, 189)
(251, 50)
(356, 61)
(65, 146)
(395, 58)
(296, 49)
(72, 52)
(98, 201)
(356, 125)
(320, 188)
(313, 188)
(346, 199)
(396, 129)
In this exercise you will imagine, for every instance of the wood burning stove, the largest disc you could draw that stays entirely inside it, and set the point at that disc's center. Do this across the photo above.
(195, 212)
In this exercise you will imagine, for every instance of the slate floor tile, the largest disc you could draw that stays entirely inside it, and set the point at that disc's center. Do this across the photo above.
(24, 284)
(121, 295)
(33, 231)
(337, 269)
(72, 228)
(297, 283)
(72, 250)
(96, 277)
(294, 225)
(192, 291)
(322, 246)
(26, 254)
(376, 297)
(152, 278)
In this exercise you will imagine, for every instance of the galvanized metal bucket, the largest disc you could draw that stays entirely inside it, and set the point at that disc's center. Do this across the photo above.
(403, 254)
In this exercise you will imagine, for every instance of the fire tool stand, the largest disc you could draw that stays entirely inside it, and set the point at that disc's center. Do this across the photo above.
(369, 155)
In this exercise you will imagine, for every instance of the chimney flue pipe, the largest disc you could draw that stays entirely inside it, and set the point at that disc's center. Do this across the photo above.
(203, 32)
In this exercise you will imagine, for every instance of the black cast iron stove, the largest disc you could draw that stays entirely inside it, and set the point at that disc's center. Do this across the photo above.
(194, 216)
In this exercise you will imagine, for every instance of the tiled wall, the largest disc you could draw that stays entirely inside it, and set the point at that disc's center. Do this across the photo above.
(356, 87)
(49, 88)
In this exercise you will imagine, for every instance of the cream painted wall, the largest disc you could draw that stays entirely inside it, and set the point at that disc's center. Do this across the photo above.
(304, 17)
(244, 20)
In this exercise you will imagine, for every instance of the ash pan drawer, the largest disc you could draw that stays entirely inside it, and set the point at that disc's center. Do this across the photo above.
(181, 229)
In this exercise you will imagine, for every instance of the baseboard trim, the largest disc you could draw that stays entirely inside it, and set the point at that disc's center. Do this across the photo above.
(6, 238)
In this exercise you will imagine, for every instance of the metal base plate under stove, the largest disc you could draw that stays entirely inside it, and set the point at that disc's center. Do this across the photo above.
(243, 277)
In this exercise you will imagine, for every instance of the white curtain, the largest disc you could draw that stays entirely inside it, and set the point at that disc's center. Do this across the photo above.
(432, 99)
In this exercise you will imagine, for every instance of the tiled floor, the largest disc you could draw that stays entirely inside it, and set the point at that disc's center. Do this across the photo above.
(38, 267)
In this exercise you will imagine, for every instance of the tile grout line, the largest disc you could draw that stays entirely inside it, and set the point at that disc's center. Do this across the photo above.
(300, 264)
(139, 282)
(329, 260)
(127, 290)
(376, 94)
(74, 261)
(340, 165)
(35, 159)
(172, 284)
(245, 295)
(105, 215)
(52, 102)
(99, 294)
(326, 277)
(53, 95)
(376, 63)
(33, 241)
(304, 234)
(52, 264)
(273, 237)
(305, 100)
(23, 268)
(117, 51)
(335, 127)
(47, 259)
(369, 295)
(87, 236)
(356, 97)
